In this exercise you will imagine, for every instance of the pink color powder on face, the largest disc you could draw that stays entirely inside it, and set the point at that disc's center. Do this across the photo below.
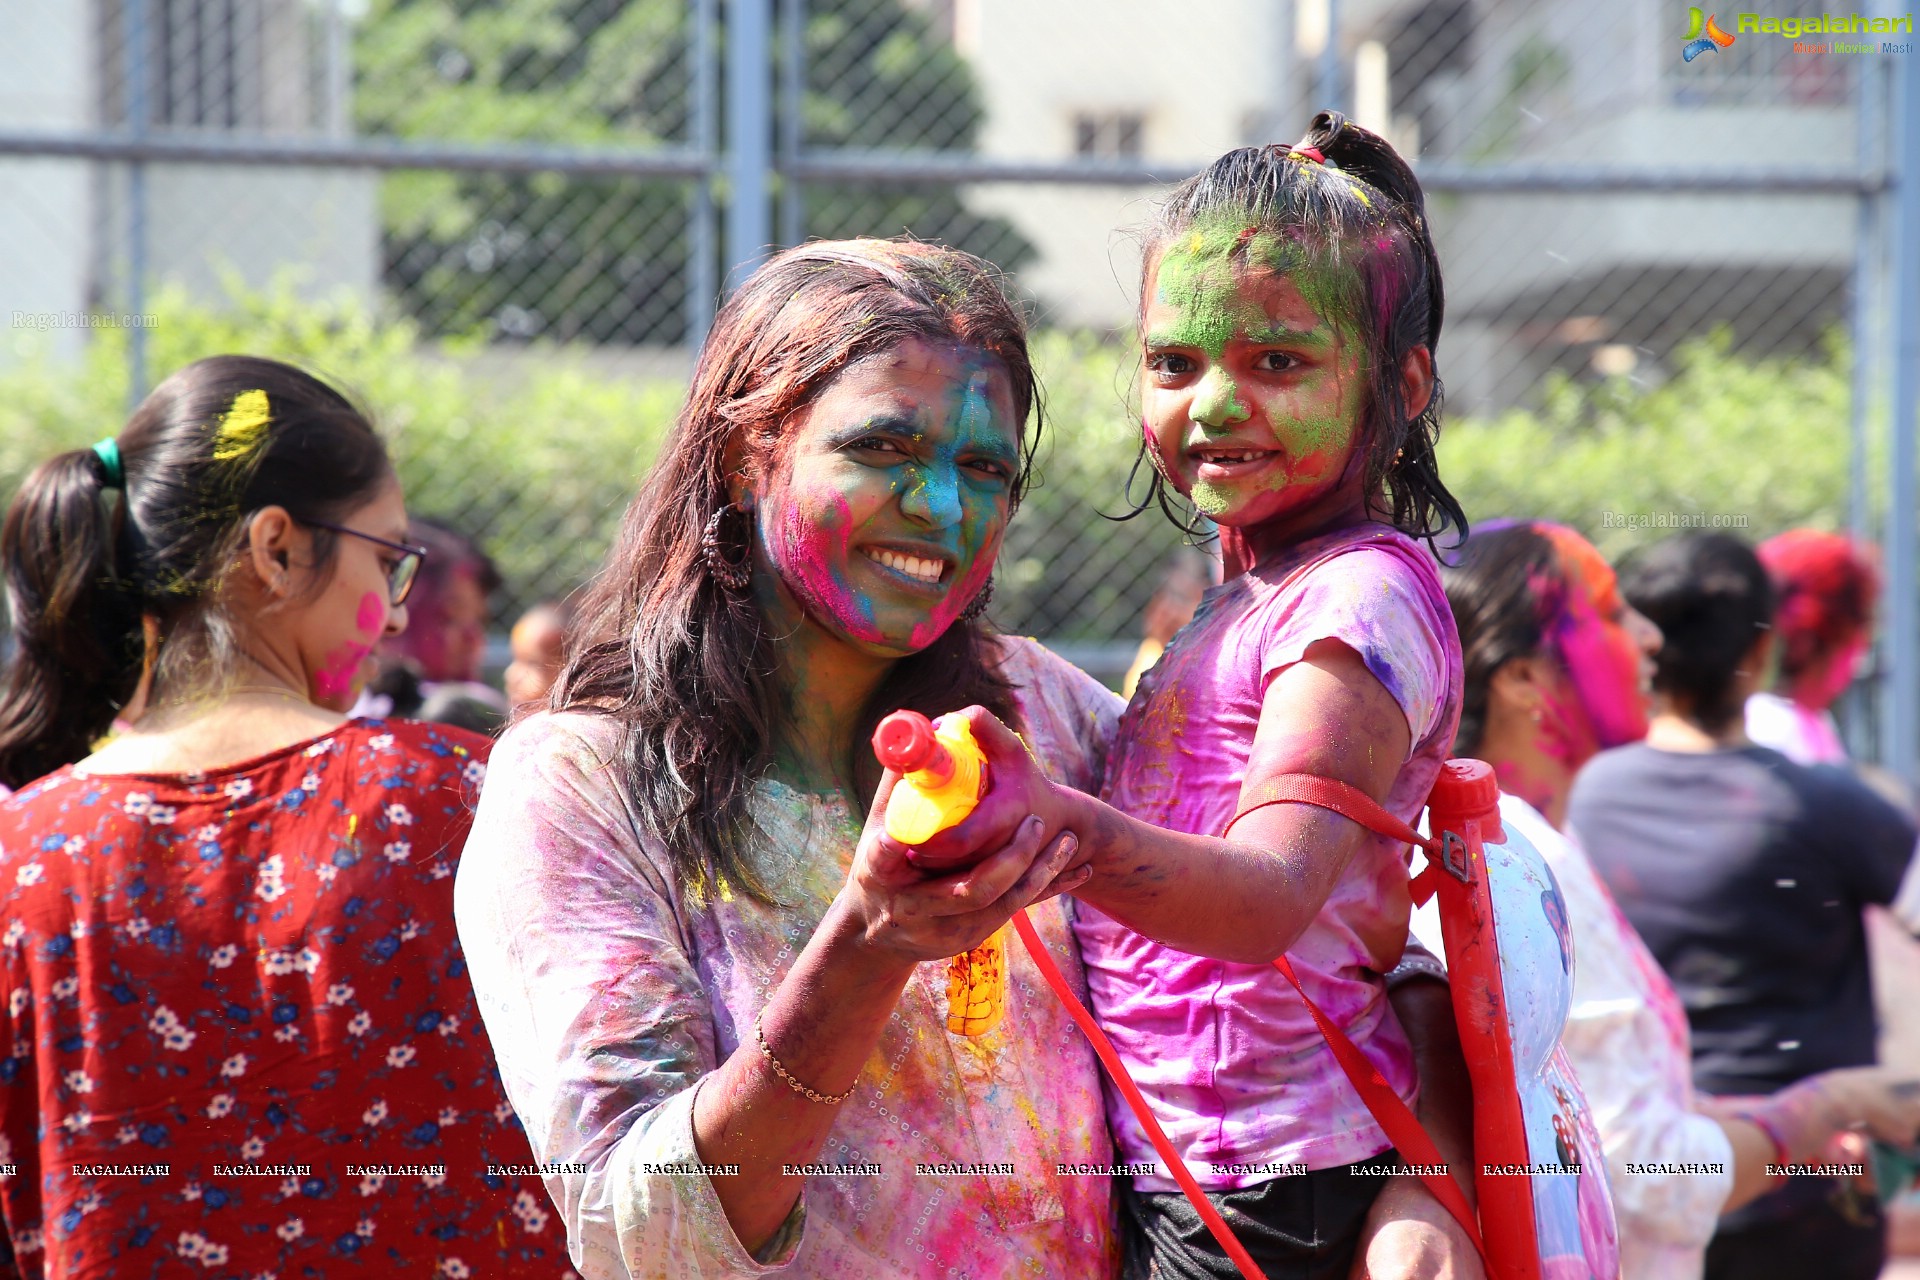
(959, 598)
(1566, 734)
(803, 548)
(1601, 658)
(1833, 679)
(336, 675)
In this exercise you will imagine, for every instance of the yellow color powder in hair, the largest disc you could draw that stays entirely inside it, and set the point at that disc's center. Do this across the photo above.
(242, 427)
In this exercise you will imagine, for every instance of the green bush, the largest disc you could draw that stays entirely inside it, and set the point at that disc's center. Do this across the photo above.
(1761, 443)
(539, 456)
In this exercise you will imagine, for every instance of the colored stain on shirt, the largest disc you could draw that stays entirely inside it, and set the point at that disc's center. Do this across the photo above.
(1247, 1078)
(610, 994)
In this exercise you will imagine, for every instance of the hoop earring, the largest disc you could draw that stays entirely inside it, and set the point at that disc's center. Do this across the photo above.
(730, 574)
(978, 606)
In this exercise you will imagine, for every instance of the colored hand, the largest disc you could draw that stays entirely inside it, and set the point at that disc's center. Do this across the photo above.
(1880, 1101)
(1018, 789)
(907, 914)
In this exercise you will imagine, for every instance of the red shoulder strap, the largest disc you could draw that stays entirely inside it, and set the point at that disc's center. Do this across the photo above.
(1330, 793)
(1403, 1129)
(1349, 802)
(1249, 1269)
(1406, 1133)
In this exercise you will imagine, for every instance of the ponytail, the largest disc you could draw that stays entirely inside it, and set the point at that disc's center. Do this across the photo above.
(78, 642)
(1371, 158)
(87, 574)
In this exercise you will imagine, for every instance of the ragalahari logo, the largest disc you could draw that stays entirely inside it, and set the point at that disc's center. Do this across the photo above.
(1703, 35)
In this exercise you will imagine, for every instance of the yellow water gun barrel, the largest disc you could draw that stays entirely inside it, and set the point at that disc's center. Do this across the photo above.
(944, 774)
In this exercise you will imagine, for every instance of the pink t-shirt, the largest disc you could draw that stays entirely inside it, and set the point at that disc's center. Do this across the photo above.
(1226, 1053)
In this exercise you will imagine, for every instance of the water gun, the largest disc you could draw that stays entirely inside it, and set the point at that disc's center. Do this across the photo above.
(944, 774)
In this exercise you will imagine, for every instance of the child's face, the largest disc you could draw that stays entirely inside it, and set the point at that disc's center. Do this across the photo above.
(882, 521)
(1253, 392)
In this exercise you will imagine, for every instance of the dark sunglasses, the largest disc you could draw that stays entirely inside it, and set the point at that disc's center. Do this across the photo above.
(400, 577)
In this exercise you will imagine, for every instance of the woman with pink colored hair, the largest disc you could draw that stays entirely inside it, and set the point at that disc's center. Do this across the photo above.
(1825, 586)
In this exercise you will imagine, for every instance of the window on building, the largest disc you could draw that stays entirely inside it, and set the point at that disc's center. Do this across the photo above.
(1108, 135)
(211, 64)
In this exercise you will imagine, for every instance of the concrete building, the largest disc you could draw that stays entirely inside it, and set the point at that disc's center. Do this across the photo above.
(1534, 281)
(71, 231)
(1123, 80)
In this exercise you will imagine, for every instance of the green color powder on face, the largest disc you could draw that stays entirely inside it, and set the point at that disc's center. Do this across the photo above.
(1210, 501)
(1202, 272)
(1196, 276)
(1333, 429)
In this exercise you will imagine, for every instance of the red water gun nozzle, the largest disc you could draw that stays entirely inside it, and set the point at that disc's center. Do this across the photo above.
(904, 742)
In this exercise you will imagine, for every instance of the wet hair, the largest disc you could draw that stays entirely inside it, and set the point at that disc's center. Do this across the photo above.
(1361, 212)
(688, 667)
(1712, 600)
(1826, 585)
(90, 564)
(1505, 585)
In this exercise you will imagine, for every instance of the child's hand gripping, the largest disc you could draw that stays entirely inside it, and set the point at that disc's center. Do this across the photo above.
(945, 775)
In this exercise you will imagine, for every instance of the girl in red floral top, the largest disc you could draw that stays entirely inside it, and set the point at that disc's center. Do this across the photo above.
(238, 1035)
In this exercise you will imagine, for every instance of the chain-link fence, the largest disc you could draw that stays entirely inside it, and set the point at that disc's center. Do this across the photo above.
(526, 182)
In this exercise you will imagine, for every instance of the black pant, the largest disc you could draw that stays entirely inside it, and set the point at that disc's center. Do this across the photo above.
(1298, 1228)
(1801, 1235)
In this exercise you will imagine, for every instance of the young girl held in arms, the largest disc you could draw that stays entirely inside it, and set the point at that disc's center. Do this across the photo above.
(1291, 300)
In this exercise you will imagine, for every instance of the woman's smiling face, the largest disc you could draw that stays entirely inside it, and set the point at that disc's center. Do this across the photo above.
(880, 522)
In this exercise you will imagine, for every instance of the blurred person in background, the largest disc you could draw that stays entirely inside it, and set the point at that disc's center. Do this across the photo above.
(1746, 875)
(228, 930)
(1171, 607)
(539, 646)
(433, 670)
(1526, 597)
(1824, 590)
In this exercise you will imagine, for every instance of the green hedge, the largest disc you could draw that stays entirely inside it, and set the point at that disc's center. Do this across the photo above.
(538, 454)
(1764, 442)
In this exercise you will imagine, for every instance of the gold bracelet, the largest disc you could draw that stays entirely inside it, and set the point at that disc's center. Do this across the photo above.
(786, 1075)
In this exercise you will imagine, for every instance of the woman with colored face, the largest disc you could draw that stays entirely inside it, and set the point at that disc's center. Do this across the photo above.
(1743, 877)
(220, 912)
(432, 670)
(1543, 698)
(704, 964)
(1549, 647)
